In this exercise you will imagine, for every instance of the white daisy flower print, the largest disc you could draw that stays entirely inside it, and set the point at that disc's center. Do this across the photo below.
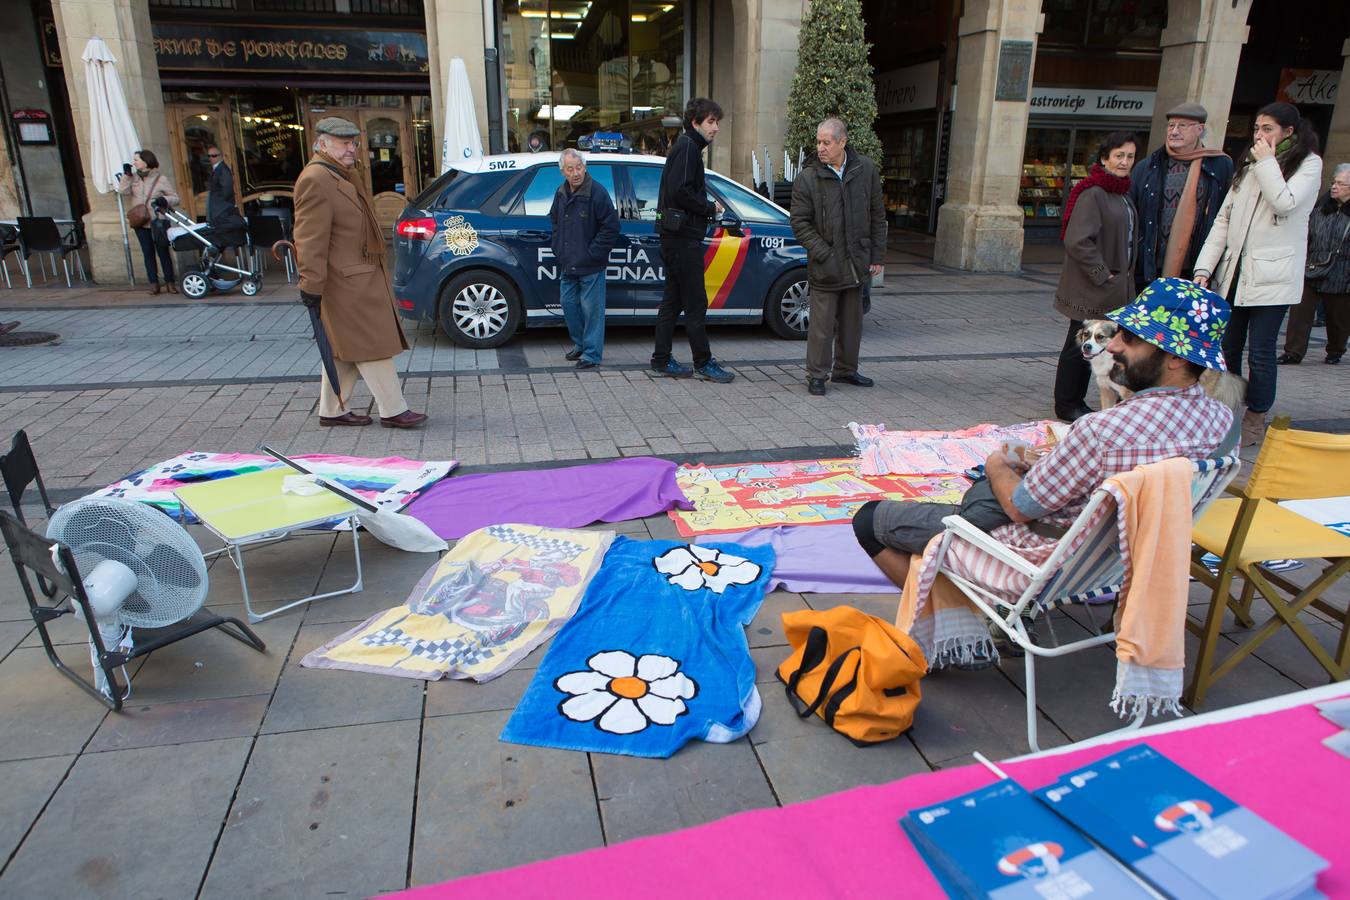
(693, 568)
(624, 694)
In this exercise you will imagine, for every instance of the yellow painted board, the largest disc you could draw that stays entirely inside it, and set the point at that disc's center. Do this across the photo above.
(252, 504)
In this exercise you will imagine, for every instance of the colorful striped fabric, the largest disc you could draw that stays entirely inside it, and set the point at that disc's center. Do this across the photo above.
(392, 482)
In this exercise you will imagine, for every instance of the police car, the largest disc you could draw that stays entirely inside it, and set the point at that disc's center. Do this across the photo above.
(472, 251)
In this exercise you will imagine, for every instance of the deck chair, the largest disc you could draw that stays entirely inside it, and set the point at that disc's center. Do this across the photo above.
(19, 469)
(1086, 564)
(1246, 530)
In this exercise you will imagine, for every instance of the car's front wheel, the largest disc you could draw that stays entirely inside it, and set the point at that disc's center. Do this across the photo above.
(787, 311)
(480, 309)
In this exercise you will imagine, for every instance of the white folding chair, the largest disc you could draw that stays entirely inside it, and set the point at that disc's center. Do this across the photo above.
(1085, 565)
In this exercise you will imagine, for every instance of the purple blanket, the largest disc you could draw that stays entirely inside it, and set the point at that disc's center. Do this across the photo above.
(612, 491)
(821, 559)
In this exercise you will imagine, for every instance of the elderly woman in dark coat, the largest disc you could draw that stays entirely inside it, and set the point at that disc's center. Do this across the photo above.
(1100, 235)
(1329, 249)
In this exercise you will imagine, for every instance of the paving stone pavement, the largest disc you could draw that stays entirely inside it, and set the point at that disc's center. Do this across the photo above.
(239, 774)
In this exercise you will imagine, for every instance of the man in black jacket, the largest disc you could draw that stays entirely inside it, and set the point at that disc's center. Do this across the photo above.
(683, 211)
(226, 223)
(839, 217)
(1178, 187)
(585, 229)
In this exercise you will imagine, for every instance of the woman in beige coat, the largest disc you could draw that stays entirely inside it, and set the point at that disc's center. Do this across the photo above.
(1256, 251)
(142, 182)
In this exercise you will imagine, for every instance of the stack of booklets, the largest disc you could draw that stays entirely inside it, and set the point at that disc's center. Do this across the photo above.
(1158, 823)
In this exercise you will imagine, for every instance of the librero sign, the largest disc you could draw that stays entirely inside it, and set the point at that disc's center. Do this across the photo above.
(1091, 103)
(265, 48)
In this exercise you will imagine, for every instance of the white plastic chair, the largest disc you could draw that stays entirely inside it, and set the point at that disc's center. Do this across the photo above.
(1085, 565)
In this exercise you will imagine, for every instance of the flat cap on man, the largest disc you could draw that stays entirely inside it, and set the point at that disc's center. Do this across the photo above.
(1193, 111)
(337, 127)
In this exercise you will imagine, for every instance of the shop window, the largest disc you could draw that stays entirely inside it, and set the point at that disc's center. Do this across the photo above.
(907, 173)
(1122, 24)
(574, 67)
(271, 148)
(539, 195)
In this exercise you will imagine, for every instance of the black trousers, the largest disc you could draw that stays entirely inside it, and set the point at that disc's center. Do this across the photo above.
(684, 293)
(154, 239)
(1074, 374)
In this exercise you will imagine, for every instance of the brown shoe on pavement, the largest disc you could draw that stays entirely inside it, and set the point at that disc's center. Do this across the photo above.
(347, 418)
(154, 289)
(171, 287)
(1253, 427)
(405, 419)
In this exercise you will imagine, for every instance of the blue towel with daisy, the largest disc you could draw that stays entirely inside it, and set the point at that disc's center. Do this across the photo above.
(655, 656)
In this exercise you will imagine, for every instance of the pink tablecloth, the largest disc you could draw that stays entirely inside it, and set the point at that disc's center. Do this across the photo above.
(850, 845)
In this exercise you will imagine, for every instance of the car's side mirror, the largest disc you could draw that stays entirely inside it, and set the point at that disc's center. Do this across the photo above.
(730, 221)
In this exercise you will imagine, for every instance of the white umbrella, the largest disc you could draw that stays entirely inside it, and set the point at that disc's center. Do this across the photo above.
(461, 140)
(112, 135)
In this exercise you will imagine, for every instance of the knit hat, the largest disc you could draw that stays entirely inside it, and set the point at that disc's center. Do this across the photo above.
(1193, 111)
(1181, 318)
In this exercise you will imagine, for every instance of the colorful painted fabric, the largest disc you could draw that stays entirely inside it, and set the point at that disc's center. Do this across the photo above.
(655, 657)
(392, 482)
(497, 595)
(885, 452)
(736, 498)
(1181, 317)
(823, 559)
(570, 497)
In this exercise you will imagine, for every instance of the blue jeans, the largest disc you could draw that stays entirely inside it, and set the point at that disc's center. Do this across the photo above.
(1255, 328)
(583, 303)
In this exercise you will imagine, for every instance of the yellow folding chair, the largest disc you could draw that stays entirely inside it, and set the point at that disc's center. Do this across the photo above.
(1251, 528)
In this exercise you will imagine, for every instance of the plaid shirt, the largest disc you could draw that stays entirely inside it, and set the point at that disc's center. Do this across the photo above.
(1151, 426)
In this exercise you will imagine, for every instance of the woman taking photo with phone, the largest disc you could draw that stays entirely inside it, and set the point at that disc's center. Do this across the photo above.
(1256, 252)
(148, 189)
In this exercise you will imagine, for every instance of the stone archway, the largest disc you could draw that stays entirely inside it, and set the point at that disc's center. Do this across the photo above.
(1201, 46)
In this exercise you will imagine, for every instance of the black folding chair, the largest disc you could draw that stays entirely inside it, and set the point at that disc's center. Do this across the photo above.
(39, 234)
(54, 563)
(264, 230)
(9, 243)
(19, 469)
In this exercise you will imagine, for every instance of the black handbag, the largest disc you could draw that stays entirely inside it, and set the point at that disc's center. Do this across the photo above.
(670, 221)
(1316, 270)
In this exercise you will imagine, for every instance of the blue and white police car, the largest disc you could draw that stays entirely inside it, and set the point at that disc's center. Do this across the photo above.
(472, 251)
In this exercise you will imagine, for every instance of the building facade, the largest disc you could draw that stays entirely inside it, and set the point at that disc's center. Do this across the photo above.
(989, 110)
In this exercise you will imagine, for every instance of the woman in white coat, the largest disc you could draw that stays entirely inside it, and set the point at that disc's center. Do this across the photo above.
(1256, 251)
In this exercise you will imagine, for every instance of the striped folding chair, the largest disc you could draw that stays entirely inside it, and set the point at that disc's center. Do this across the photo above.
(1085, 566)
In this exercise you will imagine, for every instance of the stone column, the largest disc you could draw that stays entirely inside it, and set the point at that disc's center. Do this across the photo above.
(455, 28)
(1338, 135)
(1201, 46)
(125, 26)
(980, 225)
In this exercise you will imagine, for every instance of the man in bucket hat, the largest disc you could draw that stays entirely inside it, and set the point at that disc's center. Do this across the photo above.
(1168, 337)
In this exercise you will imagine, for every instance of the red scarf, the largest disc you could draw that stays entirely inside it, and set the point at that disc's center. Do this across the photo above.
(1098, 177)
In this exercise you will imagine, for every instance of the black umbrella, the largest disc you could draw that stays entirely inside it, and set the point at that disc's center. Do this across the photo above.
(320, 333)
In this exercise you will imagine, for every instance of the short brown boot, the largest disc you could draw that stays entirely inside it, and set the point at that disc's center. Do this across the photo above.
(1253, 427)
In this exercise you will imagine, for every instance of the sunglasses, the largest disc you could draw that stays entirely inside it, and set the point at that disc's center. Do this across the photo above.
(213, 156)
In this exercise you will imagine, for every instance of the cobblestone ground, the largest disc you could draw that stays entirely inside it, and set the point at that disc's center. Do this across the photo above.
(238, 774)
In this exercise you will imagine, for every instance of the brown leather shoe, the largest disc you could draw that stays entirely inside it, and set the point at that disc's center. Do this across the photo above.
(347, 418)
(405, 419)
(154, 289)
(171, 287)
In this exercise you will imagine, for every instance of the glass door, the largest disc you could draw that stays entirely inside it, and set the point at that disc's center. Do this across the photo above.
(390, 161)
(192, 130)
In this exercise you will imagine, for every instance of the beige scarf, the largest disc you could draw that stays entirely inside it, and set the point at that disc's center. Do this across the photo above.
(1183, 224)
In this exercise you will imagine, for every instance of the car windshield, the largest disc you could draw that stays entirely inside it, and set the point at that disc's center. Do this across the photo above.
(749, 206)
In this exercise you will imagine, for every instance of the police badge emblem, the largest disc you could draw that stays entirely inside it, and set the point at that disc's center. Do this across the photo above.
(460, 236)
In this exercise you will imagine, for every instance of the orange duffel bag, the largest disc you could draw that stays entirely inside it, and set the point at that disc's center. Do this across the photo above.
(857, 672)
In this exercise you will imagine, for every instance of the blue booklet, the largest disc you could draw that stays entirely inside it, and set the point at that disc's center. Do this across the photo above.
(998, 842)
(1187, 838)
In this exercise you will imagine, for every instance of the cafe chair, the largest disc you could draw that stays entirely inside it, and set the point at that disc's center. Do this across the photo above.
(40, 234)
(9, 243)
(1086, 565)
(263, 231)
(1252, 527)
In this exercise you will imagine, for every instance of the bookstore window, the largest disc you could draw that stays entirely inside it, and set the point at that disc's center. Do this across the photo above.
(907, 174)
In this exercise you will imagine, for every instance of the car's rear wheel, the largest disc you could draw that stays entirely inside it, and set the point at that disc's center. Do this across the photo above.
(480, 309)
(787, 311)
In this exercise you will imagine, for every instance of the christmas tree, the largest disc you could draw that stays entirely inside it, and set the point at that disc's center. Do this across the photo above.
(833, 78)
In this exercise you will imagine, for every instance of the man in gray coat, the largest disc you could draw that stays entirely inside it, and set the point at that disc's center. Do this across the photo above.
(838, 216)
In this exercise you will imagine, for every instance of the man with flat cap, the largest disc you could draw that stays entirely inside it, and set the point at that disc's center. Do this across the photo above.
(1177, 190)
(339, 247)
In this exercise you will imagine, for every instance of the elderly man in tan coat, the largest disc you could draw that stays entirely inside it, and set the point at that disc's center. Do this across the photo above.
(340, 251)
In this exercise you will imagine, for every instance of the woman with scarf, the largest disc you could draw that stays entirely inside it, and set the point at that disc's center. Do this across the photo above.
(1099, 232)
(1328, 275)
(1256, 251)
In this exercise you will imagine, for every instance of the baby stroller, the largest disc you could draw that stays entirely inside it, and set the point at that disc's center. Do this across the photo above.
(209, 274)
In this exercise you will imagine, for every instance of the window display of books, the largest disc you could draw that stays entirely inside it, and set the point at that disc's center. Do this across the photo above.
(1042, 190)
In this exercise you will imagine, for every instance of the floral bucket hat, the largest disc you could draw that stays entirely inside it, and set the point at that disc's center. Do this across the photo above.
(1180, 317)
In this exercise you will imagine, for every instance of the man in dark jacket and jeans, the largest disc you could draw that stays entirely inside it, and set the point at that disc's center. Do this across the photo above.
(838, 216)
(684, 211)
(1177, 188)
(585, 229)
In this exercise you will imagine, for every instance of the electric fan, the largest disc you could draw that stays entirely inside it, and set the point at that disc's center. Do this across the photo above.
(141, 569)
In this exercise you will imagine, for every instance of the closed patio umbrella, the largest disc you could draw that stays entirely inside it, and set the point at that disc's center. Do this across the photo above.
(461, 140)
(112, 135)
